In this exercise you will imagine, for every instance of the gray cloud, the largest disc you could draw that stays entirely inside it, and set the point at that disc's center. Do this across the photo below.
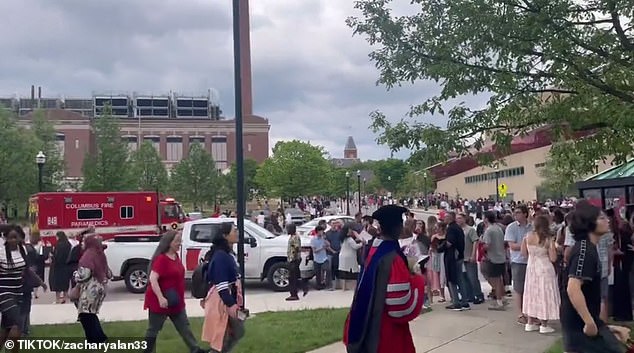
(312, 79)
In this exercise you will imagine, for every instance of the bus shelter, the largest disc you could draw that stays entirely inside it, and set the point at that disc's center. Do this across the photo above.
(612, 188)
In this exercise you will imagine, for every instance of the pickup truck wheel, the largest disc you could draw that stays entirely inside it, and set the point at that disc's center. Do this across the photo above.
(278, 276)
(136, 278)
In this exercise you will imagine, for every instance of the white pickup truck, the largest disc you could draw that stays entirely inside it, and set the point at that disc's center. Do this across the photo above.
(264, 254)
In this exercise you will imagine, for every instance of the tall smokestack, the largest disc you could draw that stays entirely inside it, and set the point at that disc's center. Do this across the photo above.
(245, 59)
(39, 97)
(32, 92)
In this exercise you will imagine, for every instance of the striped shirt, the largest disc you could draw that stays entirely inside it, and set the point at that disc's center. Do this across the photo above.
(11, 279)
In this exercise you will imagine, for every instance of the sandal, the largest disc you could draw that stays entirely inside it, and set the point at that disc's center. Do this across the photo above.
(522, 320)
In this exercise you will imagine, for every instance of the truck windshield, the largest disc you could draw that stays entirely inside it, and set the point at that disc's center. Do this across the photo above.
(171, 211)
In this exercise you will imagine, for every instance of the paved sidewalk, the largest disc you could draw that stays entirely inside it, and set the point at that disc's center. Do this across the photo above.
(476, 331)
(440, 331)
(132, 310)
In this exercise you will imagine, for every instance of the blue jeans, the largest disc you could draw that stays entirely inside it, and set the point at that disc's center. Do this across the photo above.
(474, 290)
(458, 289)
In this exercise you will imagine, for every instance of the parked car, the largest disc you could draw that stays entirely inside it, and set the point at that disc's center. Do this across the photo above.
(265, 254)
(305, 228)
(298, 216)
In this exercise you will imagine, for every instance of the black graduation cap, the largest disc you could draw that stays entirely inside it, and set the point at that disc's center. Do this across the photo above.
(390, 216)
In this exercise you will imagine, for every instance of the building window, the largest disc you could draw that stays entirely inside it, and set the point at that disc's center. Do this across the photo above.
(89, 213)
(505, 173)
(76, 144)
(540, 165)
(249, 147)
(197, 139)
(174, 148)
(131, 142)
(155, 141)
(126, 212)
(219, 151)
(60, 141)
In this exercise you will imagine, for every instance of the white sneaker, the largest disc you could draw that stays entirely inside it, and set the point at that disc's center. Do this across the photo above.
(531, 328)
(546, 329)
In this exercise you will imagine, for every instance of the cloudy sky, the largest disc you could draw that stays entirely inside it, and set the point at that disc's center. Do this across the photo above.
(311, 78)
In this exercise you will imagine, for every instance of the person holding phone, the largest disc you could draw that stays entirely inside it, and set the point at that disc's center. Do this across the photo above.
(224, 316)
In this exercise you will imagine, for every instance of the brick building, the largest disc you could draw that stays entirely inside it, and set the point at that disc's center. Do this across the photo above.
(170, 123)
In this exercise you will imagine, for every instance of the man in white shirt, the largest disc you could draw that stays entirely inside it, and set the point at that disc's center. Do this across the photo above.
(261, 219)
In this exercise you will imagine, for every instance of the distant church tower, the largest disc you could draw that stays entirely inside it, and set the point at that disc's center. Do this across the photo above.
(350, 151)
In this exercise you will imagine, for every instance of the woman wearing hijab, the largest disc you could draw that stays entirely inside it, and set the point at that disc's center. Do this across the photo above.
(91, 277)
(223, 326)
(61, 272)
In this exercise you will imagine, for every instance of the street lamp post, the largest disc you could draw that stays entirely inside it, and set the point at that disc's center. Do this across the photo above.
(497, 184)
(425, 190)
(218, 172)
(364, 189)
(40, 159)
(389, 181)
(359, 188)
(347, 193)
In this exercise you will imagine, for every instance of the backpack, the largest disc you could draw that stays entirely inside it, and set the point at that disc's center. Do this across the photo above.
(200, 285)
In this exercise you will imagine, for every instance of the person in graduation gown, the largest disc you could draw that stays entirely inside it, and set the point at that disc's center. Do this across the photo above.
(389, 294)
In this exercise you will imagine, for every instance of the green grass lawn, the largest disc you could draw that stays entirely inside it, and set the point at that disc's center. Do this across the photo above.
(275, 332)
(558, 347)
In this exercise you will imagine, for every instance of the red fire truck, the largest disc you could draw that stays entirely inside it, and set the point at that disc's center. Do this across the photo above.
(111, 213)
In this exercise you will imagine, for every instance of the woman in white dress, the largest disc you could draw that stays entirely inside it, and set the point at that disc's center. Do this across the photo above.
(351, 242)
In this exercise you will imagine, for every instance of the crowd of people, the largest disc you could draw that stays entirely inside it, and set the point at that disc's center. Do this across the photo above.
(570, 265)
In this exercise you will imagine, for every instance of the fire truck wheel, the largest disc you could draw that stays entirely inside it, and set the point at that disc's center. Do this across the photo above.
(136, 278)
(278, 276)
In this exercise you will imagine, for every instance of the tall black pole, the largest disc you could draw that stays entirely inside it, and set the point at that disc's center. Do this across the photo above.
(347, 195)
(359, 190)
(497, 186)
(425, 193)
(237, 75)
(40, 176)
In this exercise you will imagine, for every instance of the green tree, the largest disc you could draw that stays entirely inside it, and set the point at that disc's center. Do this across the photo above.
(250, 172)
(147, 168)
(560, 175)
(337, 182)
(54, 168)
(18, 171)
(566, 64)
(295, 169)
(390, 174)
(195, 178)
(108, 168)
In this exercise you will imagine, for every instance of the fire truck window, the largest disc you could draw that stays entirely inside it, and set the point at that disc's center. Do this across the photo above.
(126, 212)
(91, 213)
(170, 211)
(203, 233)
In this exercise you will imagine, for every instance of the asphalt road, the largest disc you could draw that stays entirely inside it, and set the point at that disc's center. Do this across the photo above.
(118, 292)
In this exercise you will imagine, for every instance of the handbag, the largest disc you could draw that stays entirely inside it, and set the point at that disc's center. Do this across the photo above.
(74, 293)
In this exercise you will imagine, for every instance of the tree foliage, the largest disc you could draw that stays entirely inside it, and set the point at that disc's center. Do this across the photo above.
(560, 175)
(18, 171)
(250, 172)
(295, 169)
(46, 141)
(566, 64)
(390, 174)
(147, 169)
(107, 168)
(195, 178)
(18, 148)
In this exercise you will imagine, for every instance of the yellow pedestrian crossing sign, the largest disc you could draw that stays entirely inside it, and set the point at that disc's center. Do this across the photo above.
(502, 189)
